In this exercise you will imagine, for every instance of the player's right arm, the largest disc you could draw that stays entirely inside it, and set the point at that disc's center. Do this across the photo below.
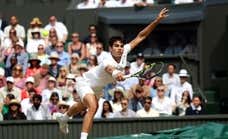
(116, 74)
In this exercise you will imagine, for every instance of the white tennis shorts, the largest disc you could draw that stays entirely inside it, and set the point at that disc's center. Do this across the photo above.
(83, 87)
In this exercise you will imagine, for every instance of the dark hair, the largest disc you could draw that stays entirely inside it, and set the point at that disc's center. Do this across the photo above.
(32, 90)
(92, 25)
(10, 96)
(188, 97)
(95, 60)
(174, 66)
(38, 96)
(114, 98)
(148, 98)
(54, 94)
(197, 96)
(114, 39)
(110, 108)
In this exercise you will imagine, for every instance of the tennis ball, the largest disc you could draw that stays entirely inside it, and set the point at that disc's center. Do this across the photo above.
(45, 33)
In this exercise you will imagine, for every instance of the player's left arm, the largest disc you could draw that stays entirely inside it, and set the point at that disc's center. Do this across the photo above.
(147, 30)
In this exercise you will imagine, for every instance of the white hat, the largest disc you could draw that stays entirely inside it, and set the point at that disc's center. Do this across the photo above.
(30, 79)
(70, 76)
(2, 72)
(119, 89)
(20, 43)
(63, 103)
(54, 55)
(51, 79)
(75, 55)
(183, 73)
(10, 79)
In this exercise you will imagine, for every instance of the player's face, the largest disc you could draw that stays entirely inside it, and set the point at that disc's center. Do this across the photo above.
(117, 49)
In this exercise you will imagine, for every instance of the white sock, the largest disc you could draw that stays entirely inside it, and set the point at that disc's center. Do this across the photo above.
(84, 135)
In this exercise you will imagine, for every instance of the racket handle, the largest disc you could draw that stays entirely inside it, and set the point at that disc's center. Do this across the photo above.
(127, 76)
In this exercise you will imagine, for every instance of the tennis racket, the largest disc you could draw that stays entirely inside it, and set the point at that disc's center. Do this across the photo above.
(148, 72)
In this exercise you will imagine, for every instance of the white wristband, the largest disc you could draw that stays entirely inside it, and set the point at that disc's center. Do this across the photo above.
(115, 72)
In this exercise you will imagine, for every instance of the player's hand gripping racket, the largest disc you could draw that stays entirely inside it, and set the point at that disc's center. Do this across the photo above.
(148, 72)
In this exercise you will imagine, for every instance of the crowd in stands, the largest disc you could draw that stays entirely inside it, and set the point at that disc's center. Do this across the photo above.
(37, 78)
(91, 4)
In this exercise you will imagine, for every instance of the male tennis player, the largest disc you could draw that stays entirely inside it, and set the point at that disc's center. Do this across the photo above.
(106, 72)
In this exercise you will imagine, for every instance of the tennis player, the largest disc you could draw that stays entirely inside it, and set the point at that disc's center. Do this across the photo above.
(107, 71)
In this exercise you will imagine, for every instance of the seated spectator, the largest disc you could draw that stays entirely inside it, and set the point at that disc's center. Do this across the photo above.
(176, 91)
(92, 45)
(146, 89)
(60, 28)
(125, 3)
(27, 102)
(162, 103)
(107, 111)
(35, 24)
(76, 46)
(107, 3)
(61, 79)
(118, 93)
(144, 3)
(34, 66)
(92, 61)
(18, 76)
(87, 4)
(101, 54)
(10, 88)
(42, 56)
(14, 24)
(82, 68)
(51, 47)
(54, 67)
(64, 57)
(170, 78)
(73, 66)
(195, 107)
(183, 1)
(184, 104)
(2, 78)
(138, 64)
(36, 40)
(14, 111)
(125, 111)
(107, 89)
(53, 102)
(136, 103)
(20, 54)
(41, 79)
(157, 82)
(62, 108)
(38, 111)
(13, 63)
(29, 85)
(147, 111)
(5, 108)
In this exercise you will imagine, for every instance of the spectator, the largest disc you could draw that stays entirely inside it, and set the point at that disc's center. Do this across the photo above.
(5, 108)
(42, 56)
(136, 103)
(64, 58)
(10, 88)
(60, 28)
(13, 63)
(138, 64)
(92, 45)
(51, 87)
(170, 78)
(92, 29)
(183, 1)
(54, 66)
(62, 108)
(144, 3)
(41, 78)
(14, 24)
(51, 45)
(34, 66)
(35, 41)
(101, 54)
(29, 85)
(157, 82)
(38, 111)
(146, 89)
(125, 112)
(147, 111)
(14, 111)
(125, 3)
(87, 4)
(195, 107)
(73, 66)
(176, 92)
(53, 101)
(107, 111)
(82, 68)
(76, 46)
(61, 79)
(118, 93)
(18, 76)
(2, 78)
(92, 61)
(26, 103)
(162, 103)
(35, 24)
(3, 22)
(22, 57)
(184, 104)
(107, 3)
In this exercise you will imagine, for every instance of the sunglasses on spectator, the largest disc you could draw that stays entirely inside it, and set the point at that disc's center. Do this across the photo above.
(40, 48)
(160, 90)
(62, 107)
(124, 104)
(147, 102)
(75, 36)
(59, 46)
